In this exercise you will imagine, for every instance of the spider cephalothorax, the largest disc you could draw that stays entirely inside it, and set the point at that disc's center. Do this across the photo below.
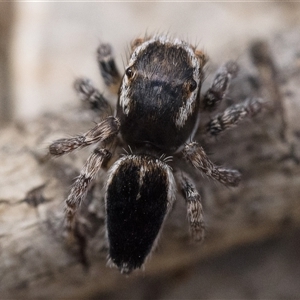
(157, 114)
(159, 94)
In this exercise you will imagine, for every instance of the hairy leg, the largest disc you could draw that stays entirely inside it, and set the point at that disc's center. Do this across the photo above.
(82, 184)
(102, 132)
(108, 68)
(232, 115)
(91, 96)
(194, 206)
(217, 92)
(196, 155)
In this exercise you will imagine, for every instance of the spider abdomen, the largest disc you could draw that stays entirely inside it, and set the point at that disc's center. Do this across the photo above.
(140, 190)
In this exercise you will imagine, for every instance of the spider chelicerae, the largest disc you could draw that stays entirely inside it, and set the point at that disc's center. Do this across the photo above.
(157, 116)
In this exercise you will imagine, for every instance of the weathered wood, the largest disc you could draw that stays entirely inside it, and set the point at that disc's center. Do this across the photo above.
(37, 262)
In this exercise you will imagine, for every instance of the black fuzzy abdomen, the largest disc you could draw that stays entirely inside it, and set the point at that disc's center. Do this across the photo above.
(136, 204)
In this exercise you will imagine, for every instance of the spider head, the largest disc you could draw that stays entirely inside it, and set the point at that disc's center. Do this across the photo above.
(160, 93)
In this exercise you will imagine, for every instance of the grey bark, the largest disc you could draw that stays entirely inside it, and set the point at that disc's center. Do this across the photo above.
(36, 261)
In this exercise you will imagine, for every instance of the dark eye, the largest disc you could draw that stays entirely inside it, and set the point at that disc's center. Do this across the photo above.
(192, 85)
(129, 73)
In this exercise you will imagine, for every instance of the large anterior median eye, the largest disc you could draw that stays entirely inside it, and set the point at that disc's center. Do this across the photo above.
(192, 85)
(129, 72)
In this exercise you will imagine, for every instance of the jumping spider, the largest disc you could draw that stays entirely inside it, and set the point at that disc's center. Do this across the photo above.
(157, 116)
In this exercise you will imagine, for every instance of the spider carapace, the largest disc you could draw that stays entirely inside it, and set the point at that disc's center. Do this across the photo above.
(158, 102)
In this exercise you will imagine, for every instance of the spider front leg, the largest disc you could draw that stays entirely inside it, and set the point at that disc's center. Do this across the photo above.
(217, 92)
(233, 114)
(196, 155)
(108, 68)
(194, 207)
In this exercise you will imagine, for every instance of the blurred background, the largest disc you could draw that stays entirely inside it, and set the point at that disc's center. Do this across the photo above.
(44, 46)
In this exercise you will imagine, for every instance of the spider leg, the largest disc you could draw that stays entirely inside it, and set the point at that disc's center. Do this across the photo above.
(232, 115)
(102, 132)
(217, 92)
(194, 206)
(196, 155)
(81, 185)
(108, 68)
(91, 96)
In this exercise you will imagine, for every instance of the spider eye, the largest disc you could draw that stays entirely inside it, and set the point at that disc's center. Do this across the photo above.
(192, 85)
(129, 72)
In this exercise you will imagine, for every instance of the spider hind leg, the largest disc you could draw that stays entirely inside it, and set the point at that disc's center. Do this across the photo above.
(194, 206)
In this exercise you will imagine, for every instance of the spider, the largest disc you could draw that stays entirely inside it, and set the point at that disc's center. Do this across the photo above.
(157, 116)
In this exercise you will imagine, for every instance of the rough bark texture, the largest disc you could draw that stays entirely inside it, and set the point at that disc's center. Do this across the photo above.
(37, 262)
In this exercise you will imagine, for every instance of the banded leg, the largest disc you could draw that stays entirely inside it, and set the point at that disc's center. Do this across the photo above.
(81, 185)
(194, 207)
(108, 68)
(233, 114)
(102, 132)
(91, 96)
(217, 92)
(195, 154)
